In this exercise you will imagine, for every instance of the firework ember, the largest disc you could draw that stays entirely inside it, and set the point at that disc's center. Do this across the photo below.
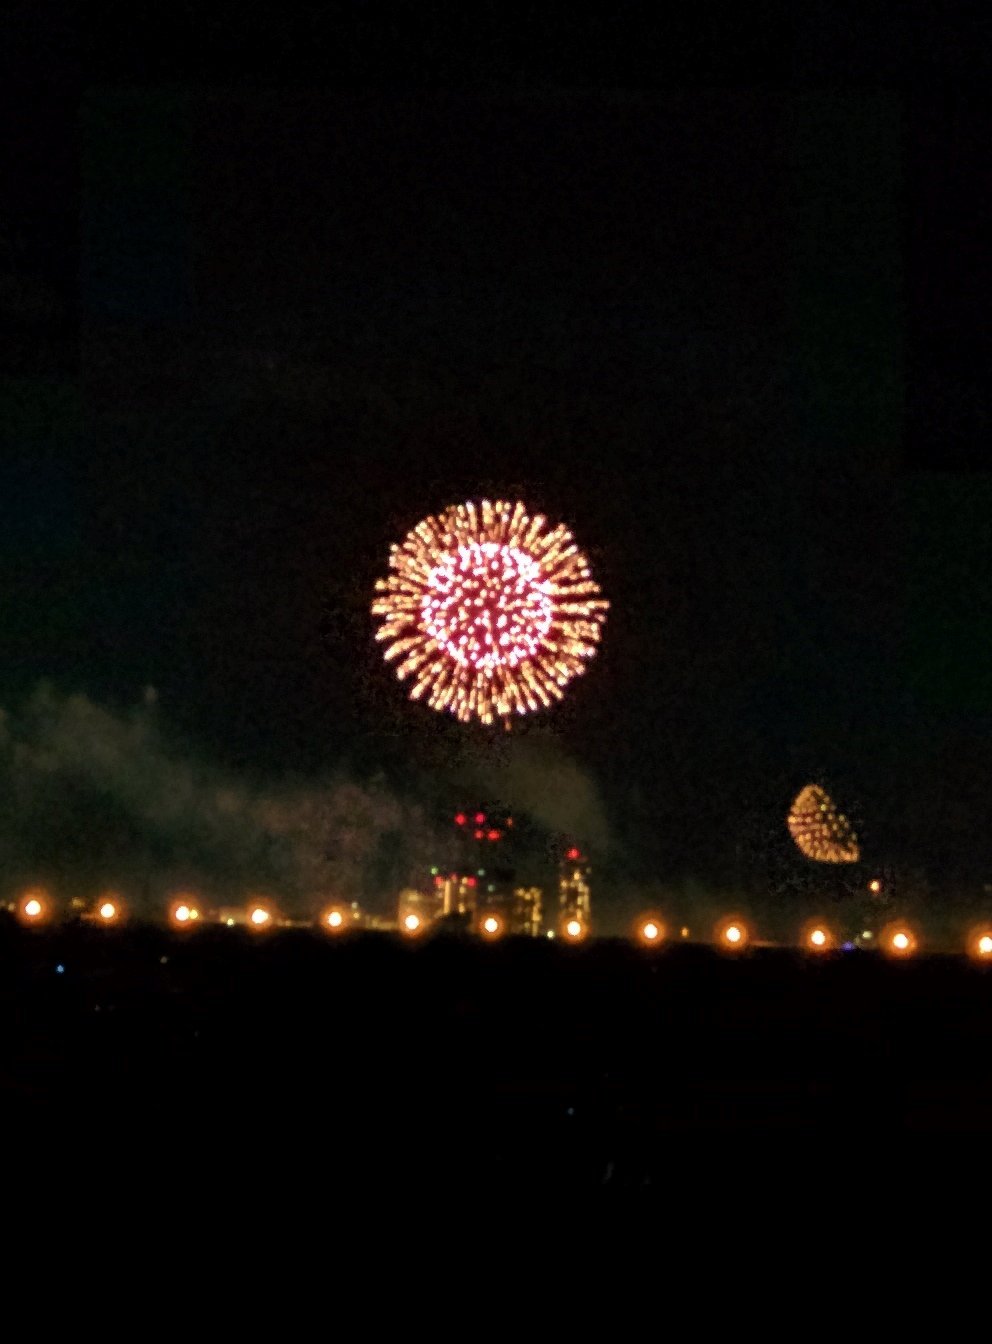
(819, 830)
(488, 613)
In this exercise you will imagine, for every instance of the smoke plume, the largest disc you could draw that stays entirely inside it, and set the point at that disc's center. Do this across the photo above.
(94, 798)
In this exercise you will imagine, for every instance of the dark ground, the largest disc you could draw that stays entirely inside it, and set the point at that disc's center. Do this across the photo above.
(524, 1064)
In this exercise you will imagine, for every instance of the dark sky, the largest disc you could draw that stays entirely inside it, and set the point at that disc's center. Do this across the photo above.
(688, 323)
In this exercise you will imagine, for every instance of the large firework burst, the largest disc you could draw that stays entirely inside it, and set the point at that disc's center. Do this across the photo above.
(488, 612)
(819, 830)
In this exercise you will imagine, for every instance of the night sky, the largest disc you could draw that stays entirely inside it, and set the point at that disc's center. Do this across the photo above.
(688, 323)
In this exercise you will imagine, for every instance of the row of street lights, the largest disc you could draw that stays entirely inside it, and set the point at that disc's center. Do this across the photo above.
(732, 933)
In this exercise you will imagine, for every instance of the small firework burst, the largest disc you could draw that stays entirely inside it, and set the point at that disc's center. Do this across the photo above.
(489, 613)
(819, 830)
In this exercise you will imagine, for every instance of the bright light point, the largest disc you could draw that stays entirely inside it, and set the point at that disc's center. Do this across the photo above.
(650, 930)
(818, 938)
(866, 934)
(732, 934)
(550, 933)
(230, 923)
(32, 908)
(335, 919)
(901, 941)
(108, 910)
(573, 928)
(985, 945)
(412, 923)
(875, 885)
(183, 911)
(685, 931)
(259, 916)
(491, 925)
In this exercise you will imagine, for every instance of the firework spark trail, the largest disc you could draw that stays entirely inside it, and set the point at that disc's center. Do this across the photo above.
(487, 612)
(819, 830)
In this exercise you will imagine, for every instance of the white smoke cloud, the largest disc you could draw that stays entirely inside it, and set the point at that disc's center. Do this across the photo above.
(533, 773)
(92, 797)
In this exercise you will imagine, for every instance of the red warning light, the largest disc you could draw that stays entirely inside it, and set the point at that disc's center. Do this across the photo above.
(494, 835)
(573, 853)
(439, 881)
(478, 835)
(460, 819)
(470, 881)
(480, 818)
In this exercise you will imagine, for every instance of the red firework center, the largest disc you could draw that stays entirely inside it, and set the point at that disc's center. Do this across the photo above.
(487, 605)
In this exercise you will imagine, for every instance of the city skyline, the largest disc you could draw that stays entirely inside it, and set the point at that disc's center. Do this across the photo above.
(676, 322)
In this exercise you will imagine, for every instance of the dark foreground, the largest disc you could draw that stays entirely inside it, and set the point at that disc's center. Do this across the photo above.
(371, 1060)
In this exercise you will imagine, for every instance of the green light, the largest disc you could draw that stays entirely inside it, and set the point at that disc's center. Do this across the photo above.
(433, 872)
(482, 872)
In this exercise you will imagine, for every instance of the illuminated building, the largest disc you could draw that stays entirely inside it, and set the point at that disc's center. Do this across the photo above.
(380, 923)
(475, 878)
(424, 907)
(573, 887)
(527, 911)
(459, 894)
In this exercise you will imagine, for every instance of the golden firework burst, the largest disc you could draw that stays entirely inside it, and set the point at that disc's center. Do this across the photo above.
(819, 830)
(488, 612)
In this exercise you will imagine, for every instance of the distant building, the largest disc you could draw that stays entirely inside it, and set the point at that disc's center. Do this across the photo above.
(232, 914)
(574, 898)
(459, 894)
(381, 924)
(427, 906)
(527, 911)
(476, 878)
